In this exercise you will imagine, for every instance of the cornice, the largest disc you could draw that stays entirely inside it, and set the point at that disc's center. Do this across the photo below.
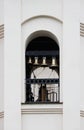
(1, 31)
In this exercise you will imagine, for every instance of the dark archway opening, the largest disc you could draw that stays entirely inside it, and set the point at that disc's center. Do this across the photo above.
(42, 57)
(42, 43)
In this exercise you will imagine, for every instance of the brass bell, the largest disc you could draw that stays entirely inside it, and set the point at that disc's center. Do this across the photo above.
(30, 60)
(44, 62)
(36, 61)
(54, 63)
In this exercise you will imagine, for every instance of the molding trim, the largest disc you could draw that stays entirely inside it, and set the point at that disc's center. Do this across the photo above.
(2, 26)
(42, 111)
(46, 111)
(1, 114)
(82, 29)
(41, 16)
(82, 113)
(1, 31)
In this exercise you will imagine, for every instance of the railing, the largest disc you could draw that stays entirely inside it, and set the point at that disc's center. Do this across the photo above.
(42, 91)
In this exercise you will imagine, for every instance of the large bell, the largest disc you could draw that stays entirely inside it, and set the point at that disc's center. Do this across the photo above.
(44, 62)
(54, 63)
(30, 60)
(36, 61)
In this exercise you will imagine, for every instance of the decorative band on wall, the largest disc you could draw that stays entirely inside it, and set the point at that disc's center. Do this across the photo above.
(82, 113)
(42, 111)
(1, 114)
(82, 29)
(46, 111)
(1, 31)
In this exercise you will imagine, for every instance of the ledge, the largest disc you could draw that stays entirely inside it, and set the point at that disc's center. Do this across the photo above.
(42, 108)
(40, 103)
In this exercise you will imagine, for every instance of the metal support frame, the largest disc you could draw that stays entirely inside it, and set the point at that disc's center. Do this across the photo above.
(42, 53)
(42, 81)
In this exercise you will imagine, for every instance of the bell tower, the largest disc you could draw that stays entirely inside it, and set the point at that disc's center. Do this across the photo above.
(39, 65)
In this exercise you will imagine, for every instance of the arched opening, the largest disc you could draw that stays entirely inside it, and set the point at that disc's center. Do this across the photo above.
(42, 71)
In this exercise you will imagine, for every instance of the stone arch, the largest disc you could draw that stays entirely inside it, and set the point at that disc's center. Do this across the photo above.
(31, 29)
(39, 33)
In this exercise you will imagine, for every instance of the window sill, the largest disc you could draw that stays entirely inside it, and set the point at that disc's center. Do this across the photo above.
(41, 108)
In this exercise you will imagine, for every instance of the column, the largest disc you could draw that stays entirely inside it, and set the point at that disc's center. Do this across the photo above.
(71, 72)
(12, 65)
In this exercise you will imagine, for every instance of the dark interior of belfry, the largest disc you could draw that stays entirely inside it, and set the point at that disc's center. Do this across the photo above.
(42, 71)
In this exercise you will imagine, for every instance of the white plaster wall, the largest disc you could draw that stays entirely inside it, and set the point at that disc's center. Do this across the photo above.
(82, 72)
(1, 12)
(1, 123)
(1, 74)
(1, 81)
(42, 122)
(71, 65)
(12, 65)
(32, 8)
(37, 27)
(82, 11)
(81, 123)
(36, 117)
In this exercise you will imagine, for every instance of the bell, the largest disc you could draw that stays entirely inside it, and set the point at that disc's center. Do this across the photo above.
(30, 60)
(54, 63)
(44, 62)
(36, 61)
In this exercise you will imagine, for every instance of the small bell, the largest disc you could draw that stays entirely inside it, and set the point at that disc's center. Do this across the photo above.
(36, 61)
(44, 62)
(30, 60)
(54, 63)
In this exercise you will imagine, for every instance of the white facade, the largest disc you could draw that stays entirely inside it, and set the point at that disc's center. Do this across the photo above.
(20, 22)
